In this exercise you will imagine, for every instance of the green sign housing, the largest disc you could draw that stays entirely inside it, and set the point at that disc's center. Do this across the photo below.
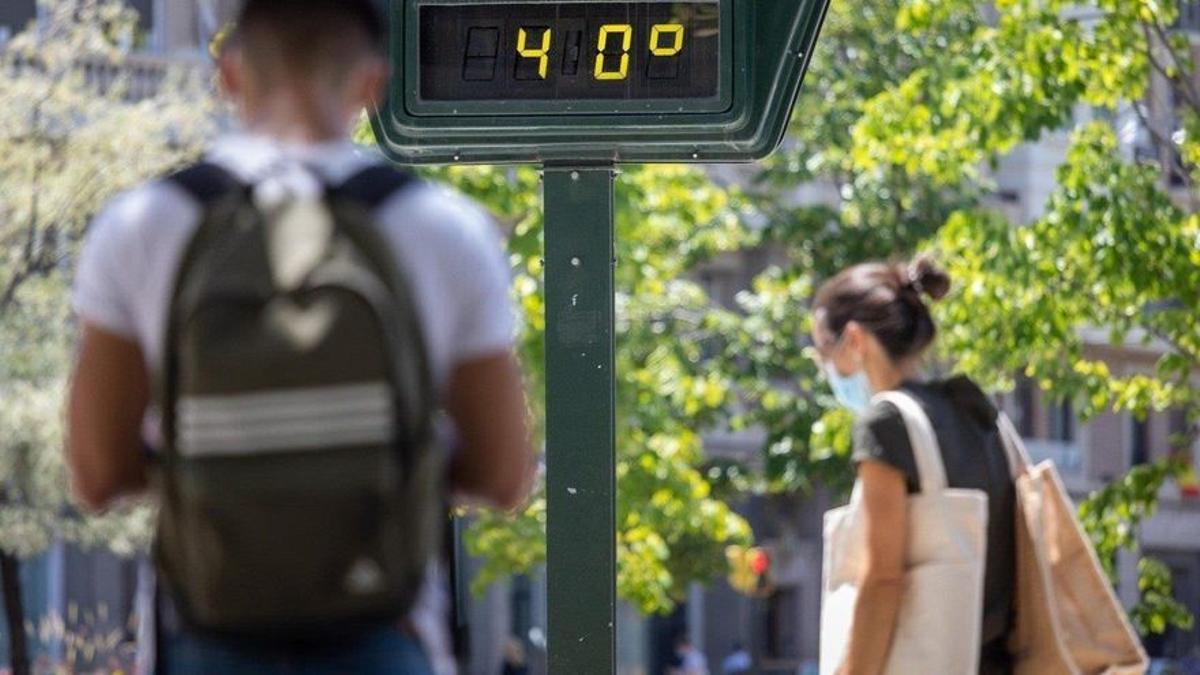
(489, 82)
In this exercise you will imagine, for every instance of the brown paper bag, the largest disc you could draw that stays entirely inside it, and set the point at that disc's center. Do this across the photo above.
(1069, 620)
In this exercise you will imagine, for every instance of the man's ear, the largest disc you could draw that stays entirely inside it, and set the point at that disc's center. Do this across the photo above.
(371, 81)
(231, 69)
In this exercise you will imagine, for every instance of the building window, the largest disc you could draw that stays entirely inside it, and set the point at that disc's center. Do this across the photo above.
(782, 632)
(1026, 400)
(1062, 422)
(1182, 435)
(522, 607)
(16, 14)
(1140, 441)
(145, 10)
(1189, 15)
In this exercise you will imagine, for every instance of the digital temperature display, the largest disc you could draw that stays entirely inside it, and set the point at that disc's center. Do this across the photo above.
(570, 51)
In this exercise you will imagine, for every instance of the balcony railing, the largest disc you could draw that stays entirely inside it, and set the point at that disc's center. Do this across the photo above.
(137, 77)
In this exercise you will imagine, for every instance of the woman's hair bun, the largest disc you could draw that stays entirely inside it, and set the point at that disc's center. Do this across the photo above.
(888, 300)
(927, 278)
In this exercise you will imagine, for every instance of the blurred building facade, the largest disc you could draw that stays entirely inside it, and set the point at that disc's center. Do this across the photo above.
(175, 28)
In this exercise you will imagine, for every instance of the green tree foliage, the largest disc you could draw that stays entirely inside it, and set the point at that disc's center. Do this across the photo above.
(672, 529)
(1113, 261)
(77, 125)
(908, 106)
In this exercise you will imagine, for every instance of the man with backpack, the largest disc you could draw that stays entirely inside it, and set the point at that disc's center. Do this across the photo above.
(279, 323)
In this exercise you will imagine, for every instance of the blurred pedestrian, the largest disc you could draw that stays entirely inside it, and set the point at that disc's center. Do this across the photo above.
(515, 661)
(298, 311)
(871, 328)
(738, 661)
(688, 659)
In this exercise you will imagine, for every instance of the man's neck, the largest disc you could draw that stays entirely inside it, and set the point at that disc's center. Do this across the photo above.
(297, 134)
(299, 119)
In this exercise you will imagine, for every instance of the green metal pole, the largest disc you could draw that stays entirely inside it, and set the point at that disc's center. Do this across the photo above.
(580, 420)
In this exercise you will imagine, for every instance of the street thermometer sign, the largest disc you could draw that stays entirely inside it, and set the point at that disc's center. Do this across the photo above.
(580, 86)
(580, 81)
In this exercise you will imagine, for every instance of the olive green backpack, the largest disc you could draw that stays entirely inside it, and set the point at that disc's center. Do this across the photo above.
(301, 492)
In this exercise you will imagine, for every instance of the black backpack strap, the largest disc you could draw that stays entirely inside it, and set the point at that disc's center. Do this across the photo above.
(375, 184)
(371, 188)
(205, 182)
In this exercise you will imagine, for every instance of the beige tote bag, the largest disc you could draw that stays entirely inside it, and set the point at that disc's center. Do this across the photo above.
(1069, 621)
(939, 624)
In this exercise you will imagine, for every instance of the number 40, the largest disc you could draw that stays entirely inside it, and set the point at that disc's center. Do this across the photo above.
(666, 39)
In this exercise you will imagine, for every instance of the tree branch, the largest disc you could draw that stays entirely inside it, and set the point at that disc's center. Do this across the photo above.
(1162, 145)
(1183, 350)
(1192, 94)
(1188, 91)
(1155, 136)
(10, 290)
(29, 264)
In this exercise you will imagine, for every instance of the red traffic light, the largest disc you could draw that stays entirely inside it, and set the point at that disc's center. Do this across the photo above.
(760, 561)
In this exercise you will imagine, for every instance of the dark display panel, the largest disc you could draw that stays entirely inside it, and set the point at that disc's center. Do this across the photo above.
(570, 51)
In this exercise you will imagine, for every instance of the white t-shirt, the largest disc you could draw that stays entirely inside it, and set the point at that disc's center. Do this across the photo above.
(447, 248)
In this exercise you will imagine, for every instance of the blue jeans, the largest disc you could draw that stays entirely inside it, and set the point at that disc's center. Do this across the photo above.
(381, 650)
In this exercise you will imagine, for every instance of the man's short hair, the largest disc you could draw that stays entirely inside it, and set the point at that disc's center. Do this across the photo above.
(303, 39)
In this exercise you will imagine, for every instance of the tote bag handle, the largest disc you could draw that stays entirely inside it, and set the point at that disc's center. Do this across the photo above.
(926, 451)
(1018, 457)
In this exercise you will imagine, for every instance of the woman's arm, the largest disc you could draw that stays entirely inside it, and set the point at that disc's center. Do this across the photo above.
(884, 509)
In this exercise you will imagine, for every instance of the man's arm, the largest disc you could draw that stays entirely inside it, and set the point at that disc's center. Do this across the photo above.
(495, 462)
(108, 398)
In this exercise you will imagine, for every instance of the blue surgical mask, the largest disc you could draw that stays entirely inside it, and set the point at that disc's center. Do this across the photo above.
(852, 391)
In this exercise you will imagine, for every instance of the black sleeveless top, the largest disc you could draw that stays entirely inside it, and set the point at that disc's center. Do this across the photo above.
(964, 420)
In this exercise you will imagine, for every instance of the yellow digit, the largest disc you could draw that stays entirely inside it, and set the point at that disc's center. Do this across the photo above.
(656, 33)
(626, 33)
(541, 53)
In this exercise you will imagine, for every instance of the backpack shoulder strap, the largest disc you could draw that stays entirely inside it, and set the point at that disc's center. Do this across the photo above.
(205, 182)
(375, 184)
(370, 188)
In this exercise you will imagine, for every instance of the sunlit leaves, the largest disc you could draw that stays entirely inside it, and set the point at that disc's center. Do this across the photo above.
(1158, 610)
(1092, 264)
(671, 528)
(70, 138)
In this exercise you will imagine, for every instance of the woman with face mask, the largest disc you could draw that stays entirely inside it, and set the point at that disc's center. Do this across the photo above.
(871, 329)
